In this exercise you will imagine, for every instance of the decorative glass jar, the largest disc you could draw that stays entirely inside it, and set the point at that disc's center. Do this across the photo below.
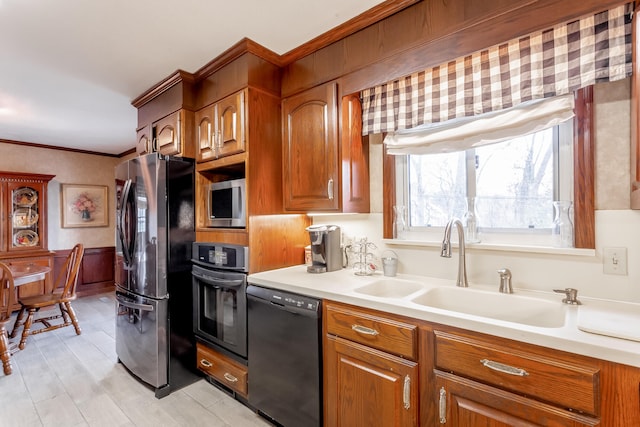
(470, 221)
(399, 221)
(562, 228)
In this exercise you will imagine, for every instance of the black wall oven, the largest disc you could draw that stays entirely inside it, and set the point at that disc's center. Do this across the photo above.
(219, 275)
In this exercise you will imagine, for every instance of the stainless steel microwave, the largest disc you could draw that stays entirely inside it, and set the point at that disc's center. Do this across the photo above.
(227, 204)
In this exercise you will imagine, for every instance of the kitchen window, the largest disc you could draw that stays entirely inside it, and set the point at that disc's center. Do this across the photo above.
(510, 185)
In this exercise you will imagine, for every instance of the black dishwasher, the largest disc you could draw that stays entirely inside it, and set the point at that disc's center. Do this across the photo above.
(284, 356)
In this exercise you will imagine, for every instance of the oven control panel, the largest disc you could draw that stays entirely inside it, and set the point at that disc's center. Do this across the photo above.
(220, 255)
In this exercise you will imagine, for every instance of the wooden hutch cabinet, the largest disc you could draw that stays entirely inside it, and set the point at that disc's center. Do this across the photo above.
(23, 212)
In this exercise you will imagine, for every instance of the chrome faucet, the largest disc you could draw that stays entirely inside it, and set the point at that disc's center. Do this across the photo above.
(505, 281)
(446, 250)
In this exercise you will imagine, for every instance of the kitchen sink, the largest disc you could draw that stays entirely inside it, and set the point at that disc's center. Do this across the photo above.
(508, 307)
(390, 288)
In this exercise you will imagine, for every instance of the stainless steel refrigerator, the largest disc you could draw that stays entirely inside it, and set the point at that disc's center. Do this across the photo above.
(154, 233)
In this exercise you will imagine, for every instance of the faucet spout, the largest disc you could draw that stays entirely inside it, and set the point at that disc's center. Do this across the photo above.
(446, 250)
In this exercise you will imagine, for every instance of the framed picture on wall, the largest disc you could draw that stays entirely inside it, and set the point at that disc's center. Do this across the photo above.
(84, 205)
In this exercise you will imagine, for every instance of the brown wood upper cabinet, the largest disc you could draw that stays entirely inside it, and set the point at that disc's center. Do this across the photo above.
(310, 150)
(170, 135)
(221, 128)
(143, 140)
(313, 179)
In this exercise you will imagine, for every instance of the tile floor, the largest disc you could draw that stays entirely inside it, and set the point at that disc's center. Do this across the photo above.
(63, 379)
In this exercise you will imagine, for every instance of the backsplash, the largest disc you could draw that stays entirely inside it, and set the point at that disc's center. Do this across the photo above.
(533, 271)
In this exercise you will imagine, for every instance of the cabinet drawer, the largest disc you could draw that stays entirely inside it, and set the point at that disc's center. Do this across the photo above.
(225, 370)
(568, 385)
(371, 329)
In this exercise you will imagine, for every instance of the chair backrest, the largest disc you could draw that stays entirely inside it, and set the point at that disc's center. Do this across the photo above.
(7, 292)
(68, 275)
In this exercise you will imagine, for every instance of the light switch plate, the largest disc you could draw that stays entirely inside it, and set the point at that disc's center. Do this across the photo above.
(615, 261)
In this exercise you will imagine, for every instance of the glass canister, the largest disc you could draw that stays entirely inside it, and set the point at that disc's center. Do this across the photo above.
(470, 221)
(399, 221)
(562, 228)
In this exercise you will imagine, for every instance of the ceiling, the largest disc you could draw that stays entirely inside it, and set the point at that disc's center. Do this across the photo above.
(70, 68)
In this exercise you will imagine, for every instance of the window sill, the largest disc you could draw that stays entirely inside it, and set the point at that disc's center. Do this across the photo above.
(496, 247)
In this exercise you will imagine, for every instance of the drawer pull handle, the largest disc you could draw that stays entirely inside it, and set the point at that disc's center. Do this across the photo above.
(230, 378)
(442, 406)
(364, 330)
(505, 369)
(406, 393)
(206, 363)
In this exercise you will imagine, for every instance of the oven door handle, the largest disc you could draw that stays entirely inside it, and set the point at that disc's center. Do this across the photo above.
(129, 304)
(222, 282)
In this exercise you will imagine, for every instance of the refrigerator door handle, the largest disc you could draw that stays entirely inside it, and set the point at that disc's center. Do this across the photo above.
(120, 224)
(127, 235)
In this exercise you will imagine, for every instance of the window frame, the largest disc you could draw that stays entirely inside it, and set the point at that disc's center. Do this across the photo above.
(583, 175)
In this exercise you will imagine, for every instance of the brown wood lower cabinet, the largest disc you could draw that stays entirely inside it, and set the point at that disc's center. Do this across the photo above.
(365, 386)
(381, 369)
(97, 270)
(466, 403)
(225, 370)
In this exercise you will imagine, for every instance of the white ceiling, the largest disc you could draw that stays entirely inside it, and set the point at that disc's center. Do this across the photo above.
(70, 68)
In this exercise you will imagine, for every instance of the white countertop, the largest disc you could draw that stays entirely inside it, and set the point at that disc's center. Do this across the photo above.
(341, 286)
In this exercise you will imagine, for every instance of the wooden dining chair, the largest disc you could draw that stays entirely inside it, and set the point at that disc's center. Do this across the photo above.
(7, 301)
(64, 291)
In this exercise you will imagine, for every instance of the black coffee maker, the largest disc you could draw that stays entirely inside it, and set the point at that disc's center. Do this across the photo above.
(325, 248)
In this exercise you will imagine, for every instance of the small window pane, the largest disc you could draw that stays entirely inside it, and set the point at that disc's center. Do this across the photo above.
(437, 188)
(514, 182)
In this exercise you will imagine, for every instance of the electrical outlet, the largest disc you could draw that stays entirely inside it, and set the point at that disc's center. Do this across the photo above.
(615, 261)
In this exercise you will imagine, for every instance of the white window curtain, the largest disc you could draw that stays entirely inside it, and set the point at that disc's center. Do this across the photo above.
(489, 128)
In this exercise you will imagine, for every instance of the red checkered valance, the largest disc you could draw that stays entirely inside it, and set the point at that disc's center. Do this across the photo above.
(540, 65)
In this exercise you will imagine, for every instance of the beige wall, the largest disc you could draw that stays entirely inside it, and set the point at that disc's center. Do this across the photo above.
(68, 168)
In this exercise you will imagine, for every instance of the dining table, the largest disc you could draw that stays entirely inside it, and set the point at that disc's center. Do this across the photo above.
(23, 274)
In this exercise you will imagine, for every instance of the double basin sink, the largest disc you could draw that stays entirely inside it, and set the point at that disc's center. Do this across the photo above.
(476, 302)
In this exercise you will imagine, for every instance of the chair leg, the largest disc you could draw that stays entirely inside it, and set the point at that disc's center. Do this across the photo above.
(74, 319)
(17, 324)
(27, 328)
(5, 355)
(65, 317)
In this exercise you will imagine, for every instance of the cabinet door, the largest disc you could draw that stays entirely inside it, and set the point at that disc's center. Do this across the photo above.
(355, 157)
(367, 387)
(230, 125)
(204, 120)
(143, 140)
(310, 150)
(167, 134)
(464, 403)
(26, 216)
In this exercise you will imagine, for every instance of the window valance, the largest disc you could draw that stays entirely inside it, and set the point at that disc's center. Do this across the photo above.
(543, 64)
